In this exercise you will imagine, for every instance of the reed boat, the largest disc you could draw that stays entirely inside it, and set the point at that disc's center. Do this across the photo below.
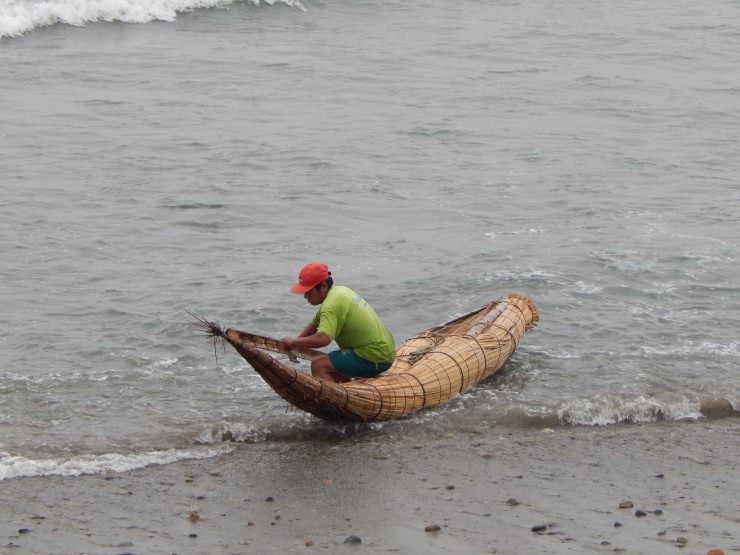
(430, 368)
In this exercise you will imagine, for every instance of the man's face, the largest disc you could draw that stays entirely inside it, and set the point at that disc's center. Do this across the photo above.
(316, 295)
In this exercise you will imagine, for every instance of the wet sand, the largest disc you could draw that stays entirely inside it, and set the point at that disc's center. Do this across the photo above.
(485, 492)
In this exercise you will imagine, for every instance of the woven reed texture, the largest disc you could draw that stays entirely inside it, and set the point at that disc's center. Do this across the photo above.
(430, 368)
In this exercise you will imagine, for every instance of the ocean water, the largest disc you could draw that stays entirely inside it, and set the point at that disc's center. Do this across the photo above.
(161, 157)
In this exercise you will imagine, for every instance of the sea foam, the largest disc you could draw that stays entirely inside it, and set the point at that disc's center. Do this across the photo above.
(17, 466)
(610, 409)
(18, 17)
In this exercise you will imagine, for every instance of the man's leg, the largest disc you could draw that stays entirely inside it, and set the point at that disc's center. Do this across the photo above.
(322, 368)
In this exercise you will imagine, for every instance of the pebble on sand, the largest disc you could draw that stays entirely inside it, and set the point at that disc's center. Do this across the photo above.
(716, 551)
(432, 528)
(353, 540)
(626, 504)
(539, 527)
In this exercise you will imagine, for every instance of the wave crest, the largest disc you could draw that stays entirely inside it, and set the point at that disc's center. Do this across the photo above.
(611, 409)
(17, 467)
(18, 17)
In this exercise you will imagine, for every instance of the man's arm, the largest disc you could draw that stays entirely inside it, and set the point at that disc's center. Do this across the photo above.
(308, 338)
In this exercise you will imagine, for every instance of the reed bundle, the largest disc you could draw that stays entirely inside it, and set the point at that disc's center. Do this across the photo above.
(430, 368)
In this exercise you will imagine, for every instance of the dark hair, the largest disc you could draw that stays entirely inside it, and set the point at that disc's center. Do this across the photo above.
(329, 282)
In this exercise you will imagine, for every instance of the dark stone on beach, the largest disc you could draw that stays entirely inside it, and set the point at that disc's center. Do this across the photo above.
(606, 543)
(513, 502)
(660, 475)
(193, 535)
(24, 530)
(617, 524)
(270, 499)
(681, 541)
(658, 512)
(250, 523)
(539, 527)
(662, 532)
(352, 540)
(432, 528)
(450, 488)
(201, 497)
(639, 513)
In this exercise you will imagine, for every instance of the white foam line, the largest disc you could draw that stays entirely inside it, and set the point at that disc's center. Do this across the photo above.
(608, 409)
(20, 16)
(17, 467)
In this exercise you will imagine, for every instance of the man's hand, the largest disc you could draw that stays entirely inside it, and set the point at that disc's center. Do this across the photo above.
(289, 343)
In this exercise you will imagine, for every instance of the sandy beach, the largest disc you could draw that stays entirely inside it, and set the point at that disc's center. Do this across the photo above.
(463, 493)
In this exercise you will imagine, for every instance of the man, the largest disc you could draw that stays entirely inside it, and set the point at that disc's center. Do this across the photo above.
(367, 347)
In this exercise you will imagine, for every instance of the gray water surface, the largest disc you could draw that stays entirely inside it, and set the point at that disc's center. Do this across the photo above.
(436, 155)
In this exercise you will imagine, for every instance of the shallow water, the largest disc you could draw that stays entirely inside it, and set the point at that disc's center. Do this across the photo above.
(436, 155)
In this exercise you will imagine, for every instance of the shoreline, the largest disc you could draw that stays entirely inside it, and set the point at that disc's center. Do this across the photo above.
(484, 491)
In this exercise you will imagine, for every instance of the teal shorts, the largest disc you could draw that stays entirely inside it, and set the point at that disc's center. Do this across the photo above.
(348, 362)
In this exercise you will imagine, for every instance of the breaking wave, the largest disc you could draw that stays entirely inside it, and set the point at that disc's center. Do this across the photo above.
(18, 17)
(18, 467)
(609, 409)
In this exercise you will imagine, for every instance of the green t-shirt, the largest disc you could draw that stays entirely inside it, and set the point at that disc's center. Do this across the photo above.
(346, 318)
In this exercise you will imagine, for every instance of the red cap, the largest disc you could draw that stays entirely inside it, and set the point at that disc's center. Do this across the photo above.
(310, 276)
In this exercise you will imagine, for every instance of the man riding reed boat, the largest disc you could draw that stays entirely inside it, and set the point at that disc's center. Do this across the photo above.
(366, 347)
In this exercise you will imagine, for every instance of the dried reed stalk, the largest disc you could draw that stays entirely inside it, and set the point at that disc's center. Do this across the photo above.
(430, 368)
